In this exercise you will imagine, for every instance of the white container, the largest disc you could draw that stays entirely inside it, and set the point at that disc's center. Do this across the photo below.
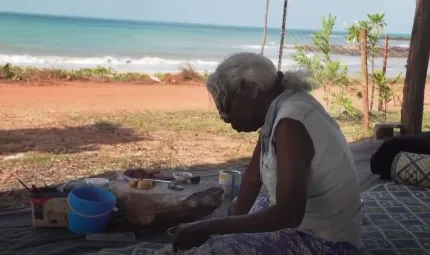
(182, 176)
(97, 182)
(230, 181)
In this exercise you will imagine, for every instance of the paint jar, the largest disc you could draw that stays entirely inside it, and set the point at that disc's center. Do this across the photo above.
(230, 181)
(102, 183)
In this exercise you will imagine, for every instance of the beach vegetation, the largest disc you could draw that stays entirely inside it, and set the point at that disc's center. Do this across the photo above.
(374, 27)
(387, 89)
(100, 74)
(328, 72)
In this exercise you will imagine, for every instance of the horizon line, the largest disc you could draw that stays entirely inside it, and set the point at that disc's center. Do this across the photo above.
(165, 22)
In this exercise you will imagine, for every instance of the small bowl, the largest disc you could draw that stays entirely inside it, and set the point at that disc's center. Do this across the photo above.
(182, 176)
(97, 182)
(128, 178)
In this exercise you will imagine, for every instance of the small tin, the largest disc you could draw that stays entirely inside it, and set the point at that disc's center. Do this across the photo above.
(230, 181)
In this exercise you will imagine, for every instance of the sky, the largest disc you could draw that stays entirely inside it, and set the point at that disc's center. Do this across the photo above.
(302, 14)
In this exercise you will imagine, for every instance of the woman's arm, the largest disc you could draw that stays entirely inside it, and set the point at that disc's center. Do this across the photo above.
(294, 151)
(251, 184)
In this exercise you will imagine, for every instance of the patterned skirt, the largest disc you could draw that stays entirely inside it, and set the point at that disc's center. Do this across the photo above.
(288, 242)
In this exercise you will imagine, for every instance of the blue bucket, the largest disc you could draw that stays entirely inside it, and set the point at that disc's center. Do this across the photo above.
(90, 210)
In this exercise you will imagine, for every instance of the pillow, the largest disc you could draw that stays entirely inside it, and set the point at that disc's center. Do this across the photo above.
(382, 159)
(411, 169)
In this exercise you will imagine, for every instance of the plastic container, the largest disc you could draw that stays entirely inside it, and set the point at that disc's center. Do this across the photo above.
(71, 185)
(230, 181)
(90, 210)
(97, 182)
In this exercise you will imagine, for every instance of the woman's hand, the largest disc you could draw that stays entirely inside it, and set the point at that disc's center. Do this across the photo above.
(250, 186)
(191, 235)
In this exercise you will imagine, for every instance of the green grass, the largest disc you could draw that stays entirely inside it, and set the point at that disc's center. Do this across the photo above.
(208, 122)
(162, 132)
(42, 158)
(188, 121)
(165, 138)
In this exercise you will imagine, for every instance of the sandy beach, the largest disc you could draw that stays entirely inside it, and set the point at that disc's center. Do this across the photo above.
(64, 96)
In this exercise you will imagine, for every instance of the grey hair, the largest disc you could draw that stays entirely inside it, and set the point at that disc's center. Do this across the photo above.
(253, 68)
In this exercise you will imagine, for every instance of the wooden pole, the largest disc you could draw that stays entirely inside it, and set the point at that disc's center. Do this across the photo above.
(364, 78)
(416, 70)
(384, 70)
(281, 43)
(263, 44)
(385, 57)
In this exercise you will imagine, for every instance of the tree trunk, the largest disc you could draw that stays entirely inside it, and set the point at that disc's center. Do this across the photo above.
(416, 70)
(265, 27)
(384, 70)
(364, 79)
(372, 84)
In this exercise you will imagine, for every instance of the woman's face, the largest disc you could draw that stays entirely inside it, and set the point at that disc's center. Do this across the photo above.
(240, 110)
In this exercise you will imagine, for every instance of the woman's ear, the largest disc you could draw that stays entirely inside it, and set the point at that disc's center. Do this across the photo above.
(249, 88)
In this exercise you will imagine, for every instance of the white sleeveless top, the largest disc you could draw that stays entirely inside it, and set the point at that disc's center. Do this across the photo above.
(333, 209)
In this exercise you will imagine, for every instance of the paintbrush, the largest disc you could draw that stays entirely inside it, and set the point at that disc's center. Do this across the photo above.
(24, 185)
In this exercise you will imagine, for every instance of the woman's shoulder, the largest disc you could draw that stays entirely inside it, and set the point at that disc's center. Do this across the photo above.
(300, 104)
(304, 97)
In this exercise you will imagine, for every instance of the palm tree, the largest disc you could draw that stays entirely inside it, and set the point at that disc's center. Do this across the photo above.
(265, 27)
(377, 22)
(374, 27)
(354, 30)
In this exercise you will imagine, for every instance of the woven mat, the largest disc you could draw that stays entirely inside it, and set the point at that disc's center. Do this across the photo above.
(396, 220)
(145, 248)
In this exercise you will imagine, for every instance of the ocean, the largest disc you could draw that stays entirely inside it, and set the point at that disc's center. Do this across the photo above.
(146, 46)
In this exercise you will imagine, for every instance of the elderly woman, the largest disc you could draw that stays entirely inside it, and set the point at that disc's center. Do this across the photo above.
(301, 157)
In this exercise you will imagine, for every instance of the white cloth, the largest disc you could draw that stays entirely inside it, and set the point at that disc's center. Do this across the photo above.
(333, 209)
